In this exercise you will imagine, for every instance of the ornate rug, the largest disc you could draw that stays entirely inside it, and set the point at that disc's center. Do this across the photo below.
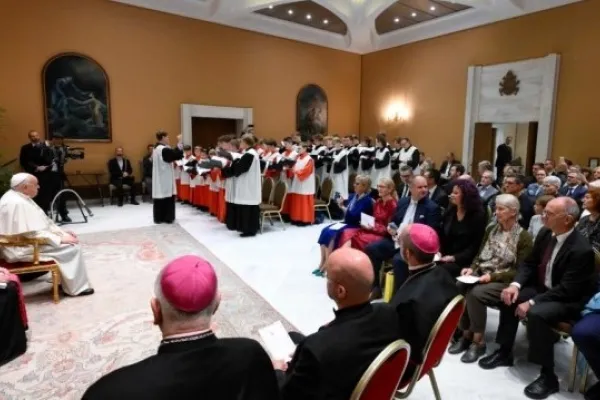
(78, 340)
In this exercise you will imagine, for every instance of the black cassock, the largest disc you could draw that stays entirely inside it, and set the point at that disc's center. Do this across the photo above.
(13, 341)
(164, 208)
(241, 217)
(419, 302)
(204, 368)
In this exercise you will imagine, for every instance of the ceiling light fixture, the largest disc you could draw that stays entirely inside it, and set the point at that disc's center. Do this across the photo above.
(325, 21)
(291, 12)
(432, 8)
(396, 20)
(308, 17)
(270, 6)
(413, 14)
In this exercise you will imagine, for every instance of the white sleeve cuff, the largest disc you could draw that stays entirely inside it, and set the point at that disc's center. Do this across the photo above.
(516, 284)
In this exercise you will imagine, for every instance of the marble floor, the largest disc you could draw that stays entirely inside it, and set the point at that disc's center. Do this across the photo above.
(277, 265)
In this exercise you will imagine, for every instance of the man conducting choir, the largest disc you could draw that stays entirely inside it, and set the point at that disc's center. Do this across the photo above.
(163, 178)
(302, 192)
(20, 215)
(245, 210)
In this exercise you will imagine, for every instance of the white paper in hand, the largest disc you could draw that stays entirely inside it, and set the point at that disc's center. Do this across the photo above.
(468, 279)
(337, 226)
(367, 220)
(277, 341)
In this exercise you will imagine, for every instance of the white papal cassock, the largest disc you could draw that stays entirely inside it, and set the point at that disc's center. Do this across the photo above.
(20, 215)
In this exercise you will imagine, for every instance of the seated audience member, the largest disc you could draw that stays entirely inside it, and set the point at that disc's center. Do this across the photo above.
(436, 192)
(589, 225)
(505, 245)
(383, 212)
(587, 175)
(586, 335)
(147, 168)
(13, 318)
(329, 363)
(121, 173)
(406, 174)
(463, 226)
(552, 285)
(19, 215)
(484, 166)
(574, 188)
(533, 178)
(596, 174)
(191, 361)
(536, 189)
(486, 188)
(446, 165)
(536, 223)
(551, 185)
(417, 208)
(359, 202)
(513, 184)
(425, 294)
(455, 172)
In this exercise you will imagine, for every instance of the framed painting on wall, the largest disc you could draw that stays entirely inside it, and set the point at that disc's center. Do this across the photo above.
(311, 111)
(594, 162)
(76, 98)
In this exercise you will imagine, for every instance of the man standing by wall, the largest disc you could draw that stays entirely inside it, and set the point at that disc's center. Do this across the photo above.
(503, 156)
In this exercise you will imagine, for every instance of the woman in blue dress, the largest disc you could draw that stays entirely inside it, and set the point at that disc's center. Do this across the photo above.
(359, 202)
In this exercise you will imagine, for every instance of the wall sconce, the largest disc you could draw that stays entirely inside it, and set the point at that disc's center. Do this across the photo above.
(396, 113)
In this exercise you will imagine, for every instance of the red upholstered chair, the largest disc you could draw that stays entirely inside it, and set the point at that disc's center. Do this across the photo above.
(436, 346)
(380, 381)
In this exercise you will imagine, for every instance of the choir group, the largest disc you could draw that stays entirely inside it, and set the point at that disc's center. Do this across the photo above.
(226, 181)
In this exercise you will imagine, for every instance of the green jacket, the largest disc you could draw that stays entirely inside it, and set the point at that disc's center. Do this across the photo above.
(524, 247)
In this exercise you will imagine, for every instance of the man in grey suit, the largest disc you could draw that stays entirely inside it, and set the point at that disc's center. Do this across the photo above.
(486, 187)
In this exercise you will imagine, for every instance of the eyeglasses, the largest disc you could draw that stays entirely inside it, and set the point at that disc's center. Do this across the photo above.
(405, 176)
(548, 214)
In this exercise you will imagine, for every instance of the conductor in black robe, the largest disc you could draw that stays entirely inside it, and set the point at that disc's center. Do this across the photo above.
(163, 178)
(191, 362)
(13, 341)
(421, 300)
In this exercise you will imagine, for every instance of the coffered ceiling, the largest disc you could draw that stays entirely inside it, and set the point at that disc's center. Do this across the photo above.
(359, 26)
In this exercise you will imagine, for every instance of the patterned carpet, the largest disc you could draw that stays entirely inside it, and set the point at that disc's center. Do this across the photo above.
(75, 342)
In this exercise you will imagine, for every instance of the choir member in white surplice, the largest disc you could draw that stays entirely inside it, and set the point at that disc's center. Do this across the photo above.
(339, 169)
(245, 215)
(409, 155)
(164, 188)
(20, 215)
(381, 164)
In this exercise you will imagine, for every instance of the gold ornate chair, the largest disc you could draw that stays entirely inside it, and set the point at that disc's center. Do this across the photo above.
(33, 266)
(322, 204)
(381, 379)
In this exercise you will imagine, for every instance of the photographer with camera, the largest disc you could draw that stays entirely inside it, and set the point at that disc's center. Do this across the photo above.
(60, 154)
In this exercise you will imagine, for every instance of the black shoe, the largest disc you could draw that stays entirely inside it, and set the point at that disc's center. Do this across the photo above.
(544, 386)
(496, 359)
(593, 393)
(461, 345)
(66, 219)
(120, 203)
(86, 292)
(135, 203)
(458, 333)
(247, 234)
(475, 351)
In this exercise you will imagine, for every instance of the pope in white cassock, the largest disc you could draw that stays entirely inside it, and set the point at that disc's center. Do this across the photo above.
(20, 215)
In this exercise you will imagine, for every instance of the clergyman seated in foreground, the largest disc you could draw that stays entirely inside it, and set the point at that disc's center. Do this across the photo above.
(329, 363)
(426, 292)
(20, 215)
(191, 363)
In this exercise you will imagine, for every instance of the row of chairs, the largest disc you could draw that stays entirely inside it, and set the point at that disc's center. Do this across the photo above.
(383, 379)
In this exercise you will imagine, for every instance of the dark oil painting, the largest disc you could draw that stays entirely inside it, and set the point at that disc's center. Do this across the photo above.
(76, 96)
(311, 111)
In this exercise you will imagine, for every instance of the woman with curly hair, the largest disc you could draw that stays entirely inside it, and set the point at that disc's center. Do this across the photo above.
(463, 226)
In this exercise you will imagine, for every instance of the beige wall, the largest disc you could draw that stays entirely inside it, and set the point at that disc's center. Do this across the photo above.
(431, 77)
(157, 61)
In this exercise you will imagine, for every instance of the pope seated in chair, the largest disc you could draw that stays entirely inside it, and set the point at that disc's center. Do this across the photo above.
(20, 215)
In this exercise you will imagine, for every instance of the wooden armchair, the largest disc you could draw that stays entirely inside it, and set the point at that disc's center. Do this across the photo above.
(34, 266)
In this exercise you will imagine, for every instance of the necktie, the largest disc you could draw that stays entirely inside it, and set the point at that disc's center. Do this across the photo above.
(543, 267)
(405, 190)
(570, 192)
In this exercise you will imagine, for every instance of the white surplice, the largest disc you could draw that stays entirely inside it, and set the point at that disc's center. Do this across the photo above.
(20, 215)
